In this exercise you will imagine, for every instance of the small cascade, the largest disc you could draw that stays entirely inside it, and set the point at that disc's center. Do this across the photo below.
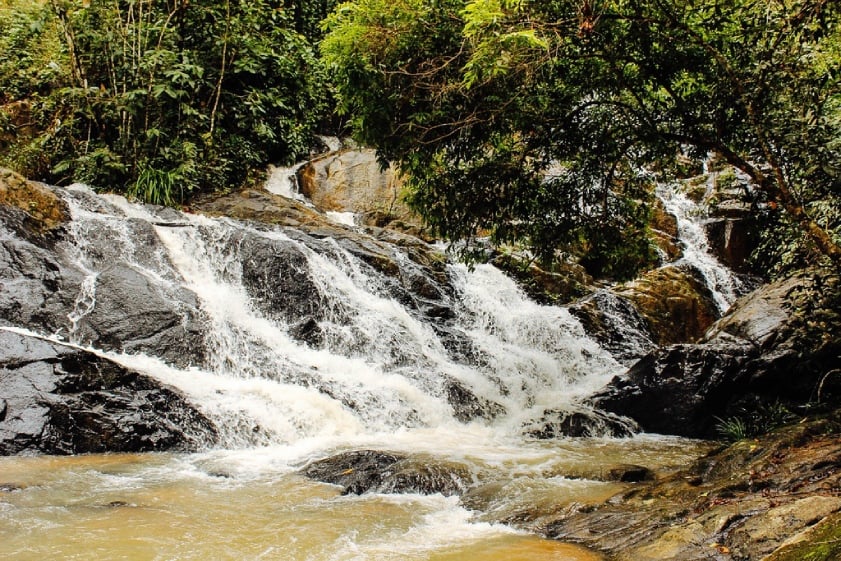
(283, 181)
(722, 282)
(302, 339)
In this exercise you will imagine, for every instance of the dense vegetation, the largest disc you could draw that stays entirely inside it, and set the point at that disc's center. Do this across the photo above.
(540, 121)
(159, 98)
(543, 123)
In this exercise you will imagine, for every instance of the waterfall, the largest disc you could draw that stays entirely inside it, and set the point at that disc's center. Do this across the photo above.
(721, 281)
(378, 363)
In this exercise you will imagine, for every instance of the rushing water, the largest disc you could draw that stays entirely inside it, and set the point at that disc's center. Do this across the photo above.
(378, 380)
(723, 283)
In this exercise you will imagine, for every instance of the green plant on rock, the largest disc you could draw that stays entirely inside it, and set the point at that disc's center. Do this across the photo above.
(753, 421)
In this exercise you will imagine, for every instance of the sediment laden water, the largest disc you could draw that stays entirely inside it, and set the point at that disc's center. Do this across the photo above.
(378, 378)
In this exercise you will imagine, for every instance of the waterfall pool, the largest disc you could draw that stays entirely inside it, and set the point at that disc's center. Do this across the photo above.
(251, 504)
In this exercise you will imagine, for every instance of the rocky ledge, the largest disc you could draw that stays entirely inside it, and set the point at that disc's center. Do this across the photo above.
(777, 350)
(59, 399)
(775, 498)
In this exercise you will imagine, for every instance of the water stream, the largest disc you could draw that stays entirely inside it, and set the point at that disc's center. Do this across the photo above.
(378, 378)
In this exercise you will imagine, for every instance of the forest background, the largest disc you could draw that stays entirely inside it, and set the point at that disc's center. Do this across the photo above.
(543, 124)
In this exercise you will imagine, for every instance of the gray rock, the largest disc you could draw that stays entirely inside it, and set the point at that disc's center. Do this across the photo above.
(63, 400)
(362, 471)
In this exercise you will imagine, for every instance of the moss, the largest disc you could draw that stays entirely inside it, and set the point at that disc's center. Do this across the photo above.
(47, 210)
(822, 544)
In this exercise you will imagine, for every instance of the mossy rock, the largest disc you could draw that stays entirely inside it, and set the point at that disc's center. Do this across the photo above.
(44, 208)
(820, 543)
(675, 303)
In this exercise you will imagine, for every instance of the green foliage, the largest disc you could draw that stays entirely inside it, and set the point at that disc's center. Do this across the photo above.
(754, 421)
(162, 98)
(531, 121)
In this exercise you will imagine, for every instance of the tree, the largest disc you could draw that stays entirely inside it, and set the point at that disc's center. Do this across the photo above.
(164, 98)
(535, 121)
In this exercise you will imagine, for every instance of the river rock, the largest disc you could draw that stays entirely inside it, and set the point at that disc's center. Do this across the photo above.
(558, 423)
(64, 400)
(756, 500)
(777, 347)
(363, 471)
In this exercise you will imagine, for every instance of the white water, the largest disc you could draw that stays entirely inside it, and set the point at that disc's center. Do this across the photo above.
(378, 380)
(283, 181)
(381, 368)
(722, 282)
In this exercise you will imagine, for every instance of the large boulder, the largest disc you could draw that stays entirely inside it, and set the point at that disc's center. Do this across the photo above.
(675, 303)
(92, 283)
(58, 399)
(354, 181)
(777, 349)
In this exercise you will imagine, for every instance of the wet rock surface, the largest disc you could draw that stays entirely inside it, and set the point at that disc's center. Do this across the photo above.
(105, 298)
(62, 400)
(363, 471)
(755, 500)
(778, 346)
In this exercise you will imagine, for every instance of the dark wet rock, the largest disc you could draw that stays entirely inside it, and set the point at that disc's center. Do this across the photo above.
(132, 313)
(679, 390)
(276, 275)
(363, 471)
(616, 324)
(276, 272)
(10, 487)
(777, 347)
(467, 406)
(559, 423)
(37, 290)
(628, 473)
(113, 302)
(63, 400)
(356, 472)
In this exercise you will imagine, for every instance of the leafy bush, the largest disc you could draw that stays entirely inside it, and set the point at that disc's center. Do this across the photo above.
(163, 98)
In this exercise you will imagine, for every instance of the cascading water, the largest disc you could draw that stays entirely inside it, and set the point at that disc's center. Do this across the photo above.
(380, 366)
(306, 349)
(721, 281)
